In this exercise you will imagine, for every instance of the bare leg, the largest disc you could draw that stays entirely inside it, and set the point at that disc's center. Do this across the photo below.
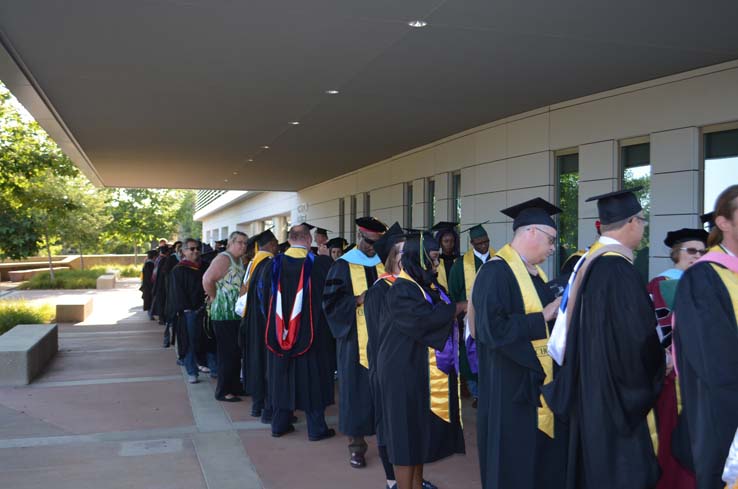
(404, 476)
(418, 477)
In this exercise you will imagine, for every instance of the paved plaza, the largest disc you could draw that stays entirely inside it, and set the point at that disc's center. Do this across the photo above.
(114, 411)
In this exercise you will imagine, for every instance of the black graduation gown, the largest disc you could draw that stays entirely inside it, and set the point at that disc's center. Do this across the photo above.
(185, 293)
(513, 452)
(375, 311)
(304, 382)
(611, 379)
(356, 408)
(146, 285)
(705, 343)
(413, 433)
(252, 330)
(161, 289)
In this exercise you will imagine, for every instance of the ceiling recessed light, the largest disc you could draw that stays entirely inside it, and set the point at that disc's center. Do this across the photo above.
(294, 123)
(332, 92)
(235, 173)
(225, 180)
(417, 23)
(250, 160)
(265, 147)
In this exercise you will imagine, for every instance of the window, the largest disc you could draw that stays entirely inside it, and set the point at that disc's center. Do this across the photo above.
(456, 196)
(367, 204)
(224, 232)
(409, 205)
(207, 236)
(721, 165)
(567, 191)
(342, 217)
(430, 216)
(636, 172)
(216, 237)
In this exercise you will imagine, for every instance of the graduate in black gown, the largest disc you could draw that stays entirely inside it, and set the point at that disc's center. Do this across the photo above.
(521, 444)
(417, 366)
(343, 302)
(253, 326)
(147, 282)
(448, 238)
(299, 364)
(613, 367)
(705, 343)
(186, 301)
(388, 249)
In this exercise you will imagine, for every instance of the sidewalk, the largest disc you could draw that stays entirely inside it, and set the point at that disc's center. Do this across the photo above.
(114, 411)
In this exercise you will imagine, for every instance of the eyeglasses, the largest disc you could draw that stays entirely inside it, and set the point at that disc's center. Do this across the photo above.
(367, 240)
(643, 220)
(695, 251)
(551, 237)
(193, 248)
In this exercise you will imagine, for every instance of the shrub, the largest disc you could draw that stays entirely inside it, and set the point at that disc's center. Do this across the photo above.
(65, 279)
(130, 271)
(13, 313)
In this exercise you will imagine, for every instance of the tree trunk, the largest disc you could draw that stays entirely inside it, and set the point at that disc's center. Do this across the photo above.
(48, 252)
(81, 258)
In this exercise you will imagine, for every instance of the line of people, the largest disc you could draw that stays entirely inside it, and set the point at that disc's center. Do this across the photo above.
(576, 384)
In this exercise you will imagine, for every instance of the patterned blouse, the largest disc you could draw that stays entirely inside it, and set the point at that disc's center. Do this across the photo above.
(227, 288)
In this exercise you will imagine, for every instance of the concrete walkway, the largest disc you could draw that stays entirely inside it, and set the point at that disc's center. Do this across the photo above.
(113, 411)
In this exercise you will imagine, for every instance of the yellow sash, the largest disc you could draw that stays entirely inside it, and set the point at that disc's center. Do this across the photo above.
(729, 278)
(442, 278)
(258, 258)
(533, 305)
(360, 285)
(470, 269)
(440, 402)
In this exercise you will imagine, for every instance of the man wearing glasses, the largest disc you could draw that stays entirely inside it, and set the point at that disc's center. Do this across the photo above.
(613, 367)
(343, 303)
(188, 298)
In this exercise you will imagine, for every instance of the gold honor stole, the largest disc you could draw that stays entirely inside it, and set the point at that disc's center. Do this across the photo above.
(442, 278)
(360, 285)
(729, 278)
(258, 258)
(470, 269)
(438, 383)
(533, 305)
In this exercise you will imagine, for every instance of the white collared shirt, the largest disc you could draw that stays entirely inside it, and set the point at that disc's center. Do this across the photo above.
(482, 257)
(606, 240)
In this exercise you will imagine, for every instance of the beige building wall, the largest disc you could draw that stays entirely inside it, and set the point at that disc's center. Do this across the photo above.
(511, 160)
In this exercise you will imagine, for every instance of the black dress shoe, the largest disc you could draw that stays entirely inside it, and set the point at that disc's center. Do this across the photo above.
(256, 412)
(289, 429)
(357, 461)
(428, 485)
(475, 401)
(329, 433)
(293, 419)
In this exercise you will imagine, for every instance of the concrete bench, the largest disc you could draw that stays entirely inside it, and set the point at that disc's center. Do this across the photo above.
(25, 351)
(106, 281)
(73, 309)
(22, 275)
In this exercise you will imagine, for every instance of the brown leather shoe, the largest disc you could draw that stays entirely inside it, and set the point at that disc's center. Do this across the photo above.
(357, 460)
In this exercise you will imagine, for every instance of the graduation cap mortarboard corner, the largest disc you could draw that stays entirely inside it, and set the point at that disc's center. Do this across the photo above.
(265, 237)
(476, 231)
(336, 243)
(309, 226)
(616, 206)
(322, 231)
(534, 211)
(371, 224)
(440, 226)
(384, 244)
(685, 234)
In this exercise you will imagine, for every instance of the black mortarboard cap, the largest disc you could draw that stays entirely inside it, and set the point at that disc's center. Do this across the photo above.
(371, 224)
(309, 226)
(336, 243)
(265, 237)
(534, 211)
(384, 244)
(709, 219)
(685, 234)
(444, 225)
(322, 231)
(616, 206)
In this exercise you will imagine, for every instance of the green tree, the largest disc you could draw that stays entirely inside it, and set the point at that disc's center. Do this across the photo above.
(187, 226)
(27, 158)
